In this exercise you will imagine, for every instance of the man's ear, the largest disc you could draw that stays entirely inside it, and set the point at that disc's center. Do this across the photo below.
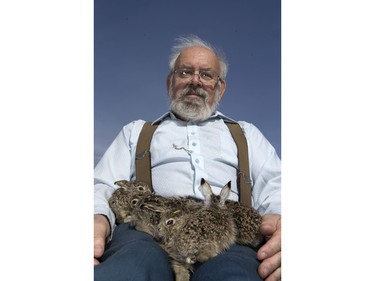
(223, 86)
(168, 81)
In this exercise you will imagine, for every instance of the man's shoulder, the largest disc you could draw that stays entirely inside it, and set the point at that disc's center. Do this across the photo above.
(134, 124)
(133, 128)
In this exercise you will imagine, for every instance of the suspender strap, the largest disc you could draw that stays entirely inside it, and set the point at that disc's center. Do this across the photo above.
(243, 179)
(143, 159)
(143, 155)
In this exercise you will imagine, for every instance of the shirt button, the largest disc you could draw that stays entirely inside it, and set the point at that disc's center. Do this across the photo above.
(197, 161)
(194, 143)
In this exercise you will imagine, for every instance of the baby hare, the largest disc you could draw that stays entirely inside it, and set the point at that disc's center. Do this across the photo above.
(189, 230)
(134, 202)
(125, 199)
(196, 235)
(247, 221)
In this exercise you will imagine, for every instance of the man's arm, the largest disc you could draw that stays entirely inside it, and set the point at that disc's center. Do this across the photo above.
(116, 164)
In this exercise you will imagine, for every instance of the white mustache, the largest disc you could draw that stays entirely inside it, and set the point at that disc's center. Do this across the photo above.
(198, 91)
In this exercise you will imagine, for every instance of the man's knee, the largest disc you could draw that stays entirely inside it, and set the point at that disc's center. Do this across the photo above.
(238, 263)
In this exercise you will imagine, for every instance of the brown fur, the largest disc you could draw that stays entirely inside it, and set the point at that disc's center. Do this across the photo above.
(189, 230)
(197, 235)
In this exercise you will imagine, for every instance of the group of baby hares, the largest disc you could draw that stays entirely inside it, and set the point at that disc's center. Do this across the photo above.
(189, 230)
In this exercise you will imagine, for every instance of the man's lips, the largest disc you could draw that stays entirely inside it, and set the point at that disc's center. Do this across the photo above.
(194, 94)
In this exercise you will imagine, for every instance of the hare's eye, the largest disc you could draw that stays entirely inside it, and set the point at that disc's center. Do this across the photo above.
(134, 202)
(169, 221)
(141, 188)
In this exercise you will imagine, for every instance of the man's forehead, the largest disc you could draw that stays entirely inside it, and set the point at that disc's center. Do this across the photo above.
(201, 56)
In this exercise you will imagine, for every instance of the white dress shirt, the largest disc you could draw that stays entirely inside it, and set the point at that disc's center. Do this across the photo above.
(182, 153)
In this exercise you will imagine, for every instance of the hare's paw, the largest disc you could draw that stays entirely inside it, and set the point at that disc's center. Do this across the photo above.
(191, 260)
(181, 272)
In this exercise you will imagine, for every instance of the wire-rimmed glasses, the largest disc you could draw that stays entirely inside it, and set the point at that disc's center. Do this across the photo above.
(205, 76)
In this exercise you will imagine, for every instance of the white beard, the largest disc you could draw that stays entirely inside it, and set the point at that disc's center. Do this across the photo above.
(196, 109)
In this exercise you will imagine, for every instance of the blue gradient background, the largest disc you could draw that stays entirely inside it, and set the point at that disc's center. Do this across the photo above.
(132, 43)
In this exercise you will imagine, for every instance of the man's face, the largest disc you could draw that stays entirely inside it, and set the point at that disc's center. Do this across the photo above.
(194, 97)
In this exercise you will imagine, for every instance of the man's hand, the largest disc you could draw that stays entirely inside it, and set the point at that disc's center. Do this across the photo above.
(101, 232)
(270, 252)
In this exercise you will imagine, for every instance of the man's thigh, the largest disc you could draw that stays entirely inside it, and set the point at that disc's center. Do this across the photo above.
(133, 255)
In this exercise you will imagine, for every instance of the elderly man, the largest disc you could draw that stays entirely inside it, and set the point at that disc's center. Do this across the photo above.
(190, 143)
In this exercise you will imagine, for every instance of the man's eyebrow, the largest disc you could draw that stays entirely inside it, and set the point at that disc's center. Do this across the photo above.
(192, 67)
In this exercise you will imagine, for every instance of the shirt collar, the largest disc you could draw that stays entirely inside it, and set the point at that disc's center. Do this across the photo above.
(171, 116)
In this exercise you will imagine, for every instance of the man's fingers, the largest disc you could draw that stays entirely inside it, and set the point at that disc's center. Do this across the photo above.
(101, 229)
(271, 268)
(275, 276)
(99, 244)
(272, 246)
(270, 252)
(271, 228)
(270, 224)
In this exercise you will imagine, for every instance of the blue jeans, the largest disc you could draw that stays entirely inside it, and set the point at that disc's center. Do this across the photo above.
(134, 255)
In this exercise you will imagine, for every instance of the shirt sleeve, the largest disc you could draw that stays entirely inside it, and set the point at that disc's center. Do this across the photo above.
(265, 167)
(116, 164)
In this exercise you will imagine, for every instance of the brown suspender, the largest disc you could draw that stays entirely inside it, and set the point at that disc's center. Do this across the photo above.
(143, 154)
(143, 159)
(243, 178)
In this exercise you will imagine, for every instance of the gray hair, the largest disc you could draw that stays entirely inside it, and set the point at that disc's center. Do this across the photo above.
(194, 41)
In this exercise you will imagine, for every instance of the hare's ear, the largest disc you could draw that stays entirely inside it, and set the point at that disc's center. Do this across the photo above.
(122, 183)
(224, 194)
(152, 208)
(206, 190)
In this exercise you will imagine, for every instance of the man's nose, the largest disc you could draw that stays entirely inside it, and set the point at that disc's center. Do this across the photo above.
(196, 79)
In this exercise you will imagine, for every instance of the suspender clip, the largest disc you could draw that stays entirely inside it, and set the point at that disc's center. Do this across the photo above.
(142, 154)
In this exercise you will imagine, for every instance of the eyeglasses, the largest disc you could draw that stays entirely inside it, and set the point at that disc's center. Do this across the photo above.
(206, 76)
